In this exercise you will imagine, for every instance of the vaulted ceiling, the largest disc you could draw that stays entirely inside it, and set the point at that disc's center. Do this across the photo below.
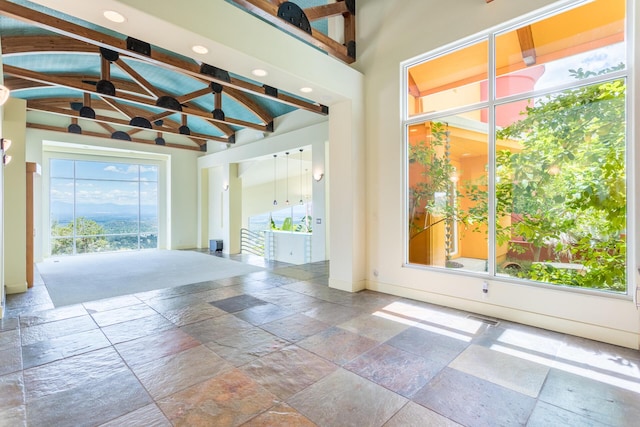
(108, 84)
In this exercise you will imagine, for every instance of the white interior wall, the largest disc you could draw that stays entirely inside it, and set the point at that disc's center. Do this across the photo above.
(257, 199)
(15, 199)
(215, 216)
(394, 31)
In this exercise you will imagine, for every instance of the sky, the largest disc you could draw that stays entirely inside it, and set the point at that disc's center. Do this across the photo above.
(100, 183)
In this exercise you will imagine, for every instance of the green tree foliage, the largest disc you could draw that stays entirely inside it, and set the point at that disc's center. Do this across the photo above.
(567, 184)
(564, 190)
(436, 170)
(89, 237)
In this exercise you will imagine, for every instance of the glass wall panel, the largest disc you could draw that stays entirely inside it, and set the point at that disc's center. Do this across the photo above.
(61, 168)
(107, 170)
(102, 206)
(62, 246)
(61, 200)
(149, 207)
(452, 80)
(556, 130)
(561, 189)
(112, 204)
(582, 42)
(448, 192)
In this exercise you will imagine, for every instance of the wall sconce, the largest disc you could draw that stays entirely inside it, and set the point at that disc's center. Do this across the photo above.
(4, 94)
(5, 144)
(318, 176)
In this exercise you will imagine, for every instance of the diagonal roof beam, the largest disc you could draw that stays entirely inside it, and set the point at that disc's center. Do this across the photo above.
(326, 11)
(155, 92)
(125, 111)
(31, 44)
(168, 125)
(250, 104)
(17, 83)
(108, 135)
(527, 46)
(43, 106)
(183, 99)
(133, 47)
(72, 84)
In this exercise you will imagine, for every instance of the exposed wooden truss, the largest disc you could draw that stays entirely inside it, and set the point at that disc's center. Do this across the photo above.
(107, 135)
(135, 96)
(269, 11)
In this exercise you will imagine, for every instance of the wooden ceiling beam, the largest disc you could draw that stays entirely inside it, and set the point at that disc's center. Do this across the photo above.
(183, 99)
(326, 11)
(155, 57)
(169, 129)
(118, 107)
(108, 127)
(108, 135)
(269, 12)
(17, 83)
(72, 84)
(527, 45)
(168, 125)
(43, 43)
(144, 84)
(33, 44)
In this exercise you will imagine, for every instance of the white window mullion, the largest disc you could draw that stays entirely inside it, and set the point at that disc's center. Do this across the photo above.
(491, 175)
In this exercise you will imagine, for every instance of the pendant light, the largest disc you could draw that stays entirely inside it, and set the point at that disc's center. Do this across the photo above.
(275, 202)
(287, 201)
(301, 201)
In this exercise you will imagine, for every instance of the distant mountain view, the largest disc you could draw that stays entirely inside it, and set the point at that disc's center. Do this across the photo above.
(112, 217)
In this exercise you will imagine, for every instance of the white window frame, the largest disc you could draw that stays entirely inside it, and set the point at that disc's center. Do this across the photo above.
(632, 155)
(73, 151)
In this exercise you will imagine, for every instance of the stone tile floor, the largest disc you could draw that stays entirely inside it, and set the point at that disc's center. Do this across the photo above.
(280, 348)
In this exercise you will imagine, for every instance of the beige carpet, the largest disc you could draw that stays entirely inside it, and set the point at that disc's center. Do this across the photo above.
(76, 279)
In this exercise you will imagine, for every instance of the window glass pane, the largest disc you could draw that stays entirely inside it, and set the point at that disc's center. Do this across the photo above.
(302, 218)
(149, 207)
(62, 246)
(259, 222)
(148, 240)
(117, 209)
(148, 173)
(448, 81)
(112, 205)
(582, 41)
(61, 168)
(61, 204)
(91, 244)
(282, 219)
(102, 170)
(122, 242)
(448, 192)
(561, 189)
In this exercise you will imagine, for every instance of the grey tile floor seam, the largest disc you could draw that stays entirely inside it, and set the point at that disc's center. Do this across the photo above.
(279, 347)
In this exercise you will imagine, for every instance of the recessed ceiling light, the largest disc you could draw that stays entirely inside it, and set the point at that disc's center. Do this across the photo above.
(259, 72)
(306, 90)
(199, 49)
(114, 16)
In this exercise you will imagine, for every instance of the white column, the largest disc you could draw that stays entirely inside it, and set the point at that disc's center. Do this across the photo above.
(15, 198)
(346, 198)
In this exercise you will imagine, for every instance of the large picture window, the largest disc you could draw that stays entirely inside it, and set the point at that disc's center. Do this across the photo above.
(516, 149)
(102, 206)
